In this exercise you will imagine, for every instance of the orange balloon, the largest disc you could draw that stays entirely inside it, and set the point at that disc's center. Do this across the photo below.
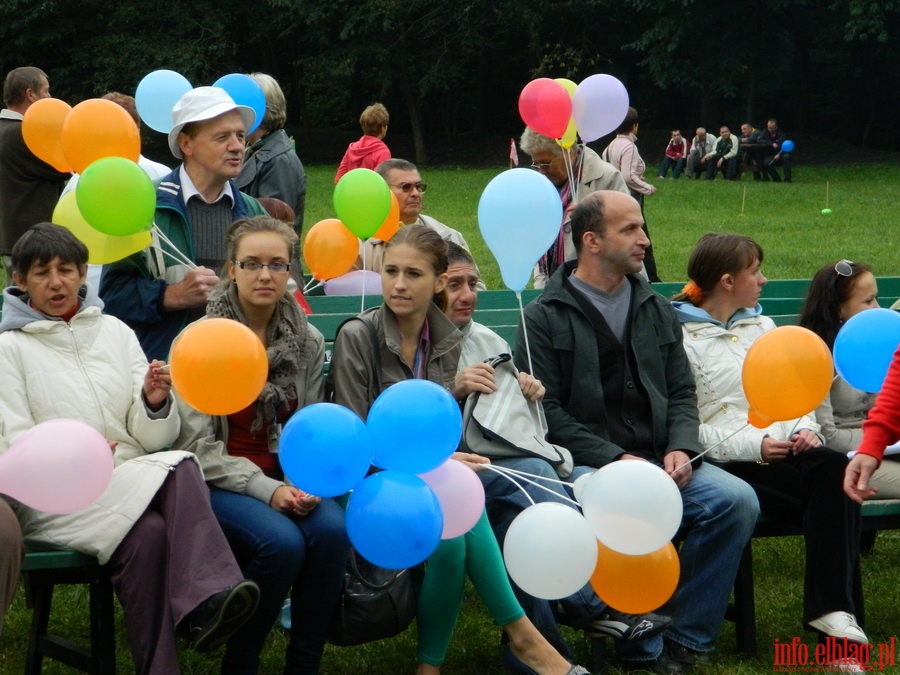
(391, 224)
(330, 249)
(636, 583)
(787, 373)
(218, 366)
(42, 131)
(98, 128)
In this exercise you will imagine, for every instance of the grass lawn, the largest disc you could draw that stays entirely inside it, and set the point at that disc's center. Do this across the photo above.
(797, 238)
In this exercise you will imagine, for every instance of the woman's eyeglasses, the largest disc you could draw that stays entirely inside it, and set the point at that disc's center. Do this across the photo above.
(844, 268)
(541, 166)
(408, 187)
(256, 266)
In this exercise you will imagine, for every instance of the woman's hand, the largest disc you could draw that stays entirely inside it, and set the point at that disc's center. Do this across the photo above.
(157, 384)
(773, 450)
(474, 462)
(289, 500)
(531, 387)
(470, 379)
(805, 440)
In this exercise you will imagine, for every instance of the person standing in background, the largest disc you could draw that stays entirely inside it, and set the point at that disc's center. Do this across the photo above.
(370, 150)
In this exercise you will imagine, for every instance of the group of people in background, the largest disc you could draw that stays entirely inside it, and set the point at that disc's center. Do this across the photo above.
(756, 150)
(621, 373)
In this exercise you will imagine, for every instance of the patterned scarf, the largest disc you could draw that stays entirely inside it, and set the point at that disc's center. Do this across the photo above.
(289, 345)
(556, 255)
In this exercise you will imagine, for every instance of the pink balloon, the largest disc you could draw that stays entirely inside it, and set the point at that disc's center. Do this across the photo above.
(59, 466)
(599, 105)
(357, 282)
(460, 494)
(546, 107)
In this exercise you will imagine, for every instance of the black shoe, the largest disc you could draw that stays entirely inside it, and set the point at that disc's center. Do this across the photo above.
(687, 657)
(215, 620)
(628, 626)
(664, 664)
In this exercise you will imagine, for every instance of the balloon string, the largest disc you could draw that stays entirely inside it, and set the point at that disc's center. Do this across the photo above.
(525, 332)
(716, 445)
(362, 282)
(567, 159)
(311, 284)
(174, 257)
(183, 258)
(504, 471)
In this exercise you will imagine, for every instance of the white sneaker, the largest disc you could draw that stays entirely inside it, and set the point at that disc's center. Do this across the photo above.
(840, 625)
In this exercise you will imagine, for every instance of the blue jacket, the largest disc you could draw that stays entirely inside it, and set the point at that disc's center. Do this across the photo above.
(133, 288)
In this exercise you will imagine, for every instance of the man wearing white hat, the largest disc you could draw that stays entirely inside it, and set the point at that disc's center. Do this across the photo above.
(154, 292)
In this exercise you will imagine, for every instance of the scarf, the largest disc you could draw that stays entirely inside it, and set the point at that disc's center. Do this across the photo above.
(289, 345)
(556, 255)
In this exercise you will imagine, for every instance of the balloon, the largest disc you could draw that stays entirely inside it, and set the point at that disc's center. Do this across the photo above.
(330, 249)
(57, 466)
(362, 200)
(325, 449)
(244, 90)
(635, 584)
(460, 494)
(42, 131)
(787, 146)
(98, 128)
(357, 282)
(787, 373)
(571, 133)
(633, 506)
(550, 551)
(519, 215)
(415, 426)
(579, 485)
(116, 196)
(598, 106)
(156, 96)
(546, 107)
(865, 346)
(391, 224)
(394, 520)
(102, 248)
(218, 366)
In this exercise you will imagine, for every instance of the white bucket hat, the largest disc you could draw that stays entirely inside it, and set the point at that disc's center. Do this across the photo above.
(204, 103)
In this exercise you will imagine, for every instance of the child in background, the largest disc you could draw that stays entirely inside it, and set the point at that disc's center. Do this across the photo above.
(369, 151)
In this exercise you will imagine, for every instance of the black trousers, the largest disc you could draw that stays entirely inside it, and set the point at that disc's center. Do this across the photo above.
(807, 489)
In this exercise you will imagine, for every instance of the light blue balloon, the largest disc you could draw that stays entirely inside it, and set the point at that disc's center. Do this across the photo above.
(519, 215)
(787, 146)
(156, 95)
(244, 90)
(865, 346)
(325, 449)
(394, 520)
(415, 425)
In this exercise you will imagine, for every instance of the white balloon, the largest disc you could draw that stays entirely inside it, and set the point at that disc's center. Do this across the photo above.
(599, 105)
(550, 551)
(632, 506)
(579, 485)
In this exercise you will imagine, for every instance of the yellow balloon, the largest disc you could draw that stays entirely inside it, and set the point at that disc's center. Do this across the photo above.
(102, 248)
(571, 134)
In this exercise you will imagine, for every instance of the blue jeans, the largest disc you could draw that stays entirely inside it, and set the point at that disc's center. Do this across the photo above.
(303, 555)
(720, 513)
(668, 163)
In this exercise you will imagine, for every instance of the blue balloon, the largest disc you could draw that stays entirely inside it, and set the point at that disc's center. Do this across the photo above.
(325, 449)
(787, 146)
(865, 346)
(415, 426)
(156, 95)
(394, 520)
(244, 90)
(519, 215)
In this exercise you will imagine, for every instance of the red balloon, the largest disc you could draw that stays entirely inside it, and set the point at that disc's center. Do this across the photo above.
(546, 107)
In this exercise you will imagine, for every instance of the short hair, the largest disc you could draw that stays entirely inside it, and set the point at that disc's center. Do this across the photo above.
(244, 226)
(373, 119)
(821, 311)
(532, 142)
(717, 254)
(384, 169)
(19, 81)
(278, 209)
(725, 127)
(772, 119)
(458, 255)
(124, 101)
(430, 244)
(587, 216)
(276, 105)
(42, 243)
(631, 119)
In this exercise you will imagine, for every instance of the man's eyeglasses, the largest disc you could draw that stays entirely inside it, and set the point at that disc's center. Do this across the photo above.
(408, 187)
(844, 268)
(256, 266)
(541, 166)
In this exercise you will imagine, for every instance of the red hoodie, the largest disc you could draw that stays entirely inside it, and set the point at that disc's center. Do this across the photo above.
(366, 153)
(882, 427)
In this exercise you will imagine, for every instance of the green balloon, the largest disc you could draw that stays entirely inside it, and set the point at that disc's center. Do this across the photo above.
(116, 197)
(826, 212)
(362, 200)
